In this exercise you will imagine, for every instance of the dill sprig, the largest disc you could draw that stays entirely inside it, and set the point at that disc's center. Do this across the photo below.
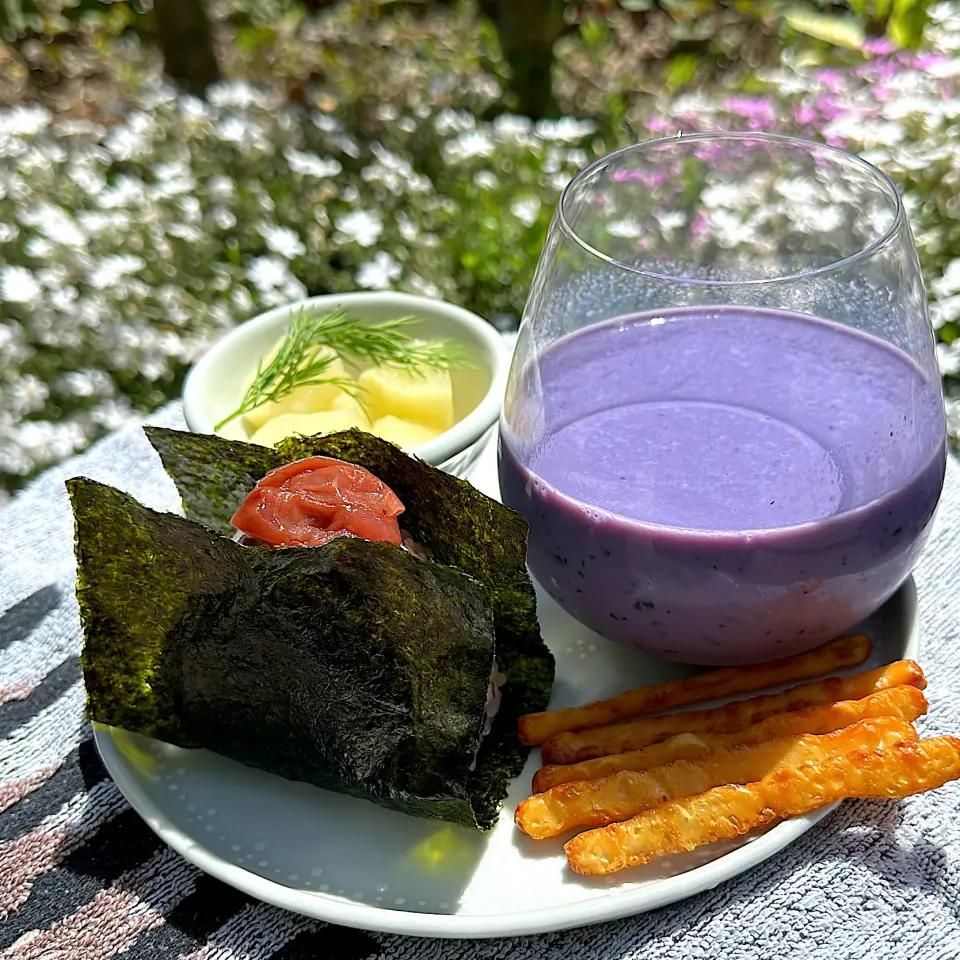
(302, 361)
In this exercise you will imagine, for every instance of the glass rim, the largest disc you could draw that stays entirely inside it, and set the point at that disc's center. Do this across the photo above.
(805, 143)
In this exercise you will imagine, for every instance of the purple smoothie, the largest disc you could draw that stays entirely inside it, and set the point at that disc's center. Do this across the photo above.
(723, 485)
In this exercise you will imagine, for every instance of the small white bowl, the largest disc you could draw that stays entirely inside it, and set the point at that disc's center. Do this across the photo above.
(215, 385)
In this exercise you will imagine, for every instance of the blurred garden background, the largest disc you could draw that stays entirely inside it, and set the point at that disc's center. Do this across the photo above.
(169, 168)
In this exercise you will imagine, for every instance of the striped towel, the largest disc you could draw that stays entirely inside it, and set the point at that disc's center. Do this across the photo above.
(81, 876)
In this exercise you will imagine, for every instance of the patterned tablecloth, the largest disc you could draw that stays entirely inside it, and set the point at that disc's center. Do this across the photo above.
(81, 876)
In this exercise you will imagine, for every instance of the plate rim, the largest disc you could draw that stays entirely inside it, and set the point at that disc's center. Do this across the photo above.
(613, 905)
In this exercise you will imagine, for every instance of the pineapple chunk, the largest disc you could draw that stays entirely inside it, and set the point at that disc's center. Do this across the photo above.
(402, 432)
(302, 400)
(346, 401)
(308, 424)
(427, 399)
(234, 430)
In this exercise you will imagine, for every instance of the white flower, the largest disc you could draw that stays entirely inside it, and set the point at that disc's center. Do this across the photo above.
(24, 121)
(172, 180)
(362, 226)
(284, 241)
(408, 229)
(526, 210)
(40, 248)
(125, 192)
(49, 441)
(221, 188)
(953, 415)
(944, 310)
(241, 95)
(79, 383)
(671, 219)
(268, 273)
(185, 231)
(56, 224)
(473, 143)
(223, 218)
(485, 179)
(292, 289)
(425, 288)
(125, 143)
(949, 283)
(721, 195)
(28, 394)
(12, 346)
(14, 460)
(948, 356)
(238, 130)
(326, 122)
(18, 285)
(509, 125)
(62, 296)
(625, 227)
(378, 273)
(310, 165)
(448, 122)
(867, 132)
(110, 269)
(566, 128)
(112, 413)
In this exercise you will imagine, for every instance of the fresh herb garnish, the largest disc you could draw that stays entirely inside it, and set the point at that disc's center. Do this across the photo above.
(302, 361)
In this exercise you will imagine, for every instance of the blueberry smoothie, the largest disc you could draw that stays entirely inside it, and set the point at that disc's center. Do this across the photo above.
(721, 484)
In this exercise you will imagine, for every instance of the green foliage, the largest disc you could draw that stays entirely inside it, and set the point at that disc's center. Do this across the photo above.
(136, 226)
(301, 361)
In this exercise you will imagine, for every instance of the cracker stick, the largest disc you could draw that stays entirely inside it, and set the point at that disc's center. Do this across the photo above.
(906, 768)
(634, 734)
(905, 703)
(534, 728)
(595, 803)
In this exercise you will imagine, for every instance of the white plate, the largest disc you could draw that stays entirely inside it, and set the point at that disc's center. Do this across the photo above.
(350, 862)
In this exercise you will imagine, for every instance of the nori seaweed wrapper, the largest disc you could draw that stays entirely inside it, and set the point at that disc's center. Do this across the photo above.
(458, 525)
(353, 666)
(309, 662)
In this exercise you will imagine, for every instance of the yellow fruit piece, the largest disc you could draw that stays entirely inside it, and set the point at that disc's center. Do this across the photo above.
(308, 424)
(302, 400)
(402, 432)
(426, 399)
(346, 401)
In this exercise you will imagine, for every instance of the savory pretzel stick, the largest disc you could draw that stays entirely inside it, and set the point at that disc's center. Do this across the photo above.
(634, 734)
(595, 803)
(906, 768)
(905, 703)
(534, 728)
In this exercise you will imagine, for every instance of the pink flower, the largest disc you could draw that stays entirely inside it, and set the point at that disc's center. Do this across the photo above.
(709, 152)
(804, 114)
(758, 111)
(922, 61)
(652, 179)
(831, 78)
(877, 45)
(886, 69)
(828, 108)
(699, 225)
(658, 124)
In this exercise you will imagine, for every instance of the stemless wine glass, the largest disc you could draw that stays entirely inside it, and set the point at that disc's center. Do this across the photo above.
(724, 420)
